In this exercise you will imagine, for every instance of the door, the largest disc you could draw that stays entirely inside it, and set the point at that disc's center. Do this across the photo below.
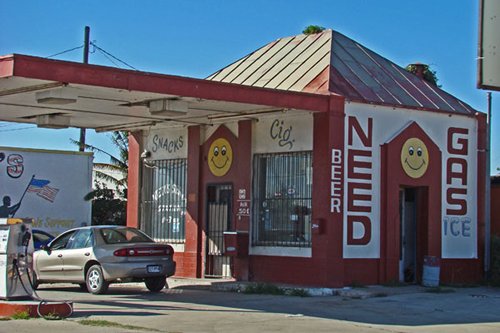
(49, 263)
(219, 208)
(408, 235)
(78, 252)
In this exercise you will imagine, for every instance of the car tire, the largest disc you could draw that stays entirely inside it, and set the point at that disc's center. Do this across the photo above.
(83, 286)
(94, 280)
(155, 284)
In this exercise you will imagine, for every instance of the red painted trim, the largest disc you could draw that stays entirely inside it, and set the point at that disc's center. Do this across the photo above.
(393, 178)
(78, 73)
(134, 172)
(327, 245)
(192, 250)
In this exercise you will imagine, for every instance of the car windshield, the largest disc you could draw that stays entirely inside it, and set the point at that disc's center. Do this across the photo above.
(123, 235)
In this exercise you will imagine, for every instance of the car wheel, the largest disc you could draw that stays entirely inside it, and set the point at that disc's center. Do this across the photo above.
(156, 284)
(95, 280)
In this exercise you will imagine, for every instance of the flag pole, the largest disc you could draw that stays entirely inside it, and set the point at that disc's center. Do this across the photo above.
(26, 190)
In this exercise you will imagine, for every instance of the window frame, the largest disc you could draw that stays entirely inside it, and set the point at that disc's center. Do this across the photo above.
(279, 172)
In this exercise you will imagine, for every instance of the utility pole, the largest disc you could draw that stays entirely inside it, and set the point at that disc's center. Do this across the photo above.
(487, 234)
(86, 44)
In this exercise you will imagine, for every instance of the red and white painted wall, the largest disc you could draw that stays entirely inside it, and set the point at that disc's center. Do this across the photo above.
(373, 168)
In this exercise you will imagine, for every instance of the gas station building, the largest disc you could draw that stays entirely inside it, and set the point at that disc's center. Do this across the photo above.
(311, 161)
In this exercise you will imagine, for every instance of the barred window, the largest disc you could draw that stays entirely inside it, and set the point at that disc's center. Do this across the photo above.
(164, 204)
(282, 186)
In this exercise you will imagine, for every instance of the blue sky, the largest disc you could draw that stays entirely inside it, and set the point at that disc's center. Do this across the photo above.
(196, 38)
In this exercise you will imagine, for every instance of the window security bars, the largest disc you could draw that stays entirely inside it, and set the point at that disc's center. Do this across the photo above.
(164, 204)
(282, 197)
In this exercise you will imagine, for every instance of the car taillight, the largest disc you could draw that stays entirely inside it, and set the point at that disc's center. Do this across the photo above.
(144, 251)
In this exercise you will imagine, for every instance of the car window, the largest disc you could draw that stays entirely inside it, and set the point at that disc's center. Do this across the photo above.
(81, 240)
(123, 235)
(40, 237)
(62, 241)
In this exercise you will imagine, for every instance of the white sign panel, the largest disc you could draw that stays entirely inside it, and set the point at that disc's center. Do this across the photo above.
(367, 128)
(283, 134)
(165, 144)
(48, 186)
(489, 51)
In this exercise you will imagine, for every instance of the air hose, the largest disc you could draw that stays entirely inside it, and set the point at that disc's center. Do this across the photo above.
(35, 296)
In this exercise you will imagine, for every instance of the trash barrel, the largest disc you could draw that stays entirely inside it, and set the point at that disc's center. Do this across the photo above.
(430, 276)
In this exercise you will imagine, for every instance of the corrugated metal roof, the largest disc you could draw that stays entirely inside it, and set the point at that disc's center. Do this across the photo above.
(330, 62)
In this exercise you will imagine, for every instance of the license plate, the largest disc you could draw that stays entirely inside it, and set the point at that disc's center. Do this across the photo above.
(154, 269)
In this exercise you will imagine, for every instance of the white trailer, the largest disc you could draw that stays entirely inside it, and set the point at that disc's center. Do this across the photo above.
(46, 185)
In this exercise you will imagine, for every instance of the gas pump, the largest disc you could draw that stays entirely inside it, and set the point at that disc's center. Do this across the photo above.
(16, 258)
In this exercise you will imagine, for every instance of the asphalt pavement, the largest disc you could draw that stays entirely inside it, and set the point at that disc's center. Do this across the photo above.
(201, 306)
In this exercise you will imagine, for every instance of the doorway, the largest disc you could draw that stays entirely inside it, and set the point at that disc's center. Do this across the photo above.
(219, 208)
(408, 235)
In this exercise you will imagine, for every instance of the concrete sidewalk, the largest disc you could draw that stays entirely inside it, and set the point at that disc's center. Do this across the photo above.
(193, 305)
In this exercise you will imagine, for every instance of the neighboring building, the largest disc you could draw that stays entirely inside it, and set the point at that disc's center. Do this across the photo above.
(495, 205)
(391, 173)
(48, 185)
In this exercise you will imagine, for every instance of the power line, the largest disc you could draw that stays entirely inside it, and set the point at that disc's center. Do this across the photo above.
(18, 129)
(112, 56)
(75, 48)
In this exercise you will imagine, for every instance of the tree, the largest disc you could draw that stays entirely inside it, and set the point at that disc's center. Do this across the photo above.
(109, 205)
(428, 74)
(312, 29)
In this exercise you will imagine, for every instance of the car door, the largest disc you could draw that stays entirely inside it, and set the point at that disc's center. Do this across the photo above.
(49, 262)
(77, 254)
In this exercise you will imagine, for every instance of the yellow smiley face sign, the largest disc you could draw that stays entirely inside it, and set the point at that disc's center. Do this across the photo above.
(414, 158)
(220, 157)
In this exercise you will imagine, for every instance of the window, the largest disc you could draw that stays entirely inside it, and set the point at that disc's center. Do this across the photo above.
(123, 235)
(164, 210)
(282, 199)
(60, 242)
(81, 240)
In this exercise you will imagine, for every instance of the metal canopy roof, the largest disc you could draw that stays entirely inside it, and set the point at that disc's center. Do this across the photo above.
(54, 94)
(330, 62)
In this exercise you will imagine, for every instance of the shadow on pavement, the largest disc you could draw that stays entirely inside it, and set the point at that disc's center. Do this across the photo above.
(408, 307)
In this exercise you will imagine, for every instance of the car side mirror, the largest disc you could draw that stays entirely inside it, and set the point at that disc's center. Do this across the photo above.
(46, 248)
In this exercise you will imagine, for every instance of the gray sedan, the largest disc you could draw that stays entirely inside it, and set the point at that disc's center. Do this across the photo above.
(96, 256)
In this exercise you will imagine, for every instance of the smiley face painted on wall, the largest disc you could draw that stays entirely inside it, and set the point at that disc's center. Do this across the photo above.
(414, 158)
(220, 157)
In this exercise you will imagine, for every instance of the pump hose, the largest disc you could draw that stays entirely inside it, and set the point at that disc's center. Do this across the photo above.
(38, 298)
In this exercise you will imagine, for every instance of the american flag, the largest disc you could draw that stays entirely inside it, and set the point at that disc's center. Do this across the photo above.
(36, 185)
(42, 189)
(48, 193)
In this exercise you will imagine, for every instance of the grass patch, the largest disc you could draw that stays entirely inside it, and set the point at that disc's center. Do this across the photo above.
(21, 315)
(106, 323)
(298, 292)
(52, 316)
(439, 290)
(5, 319)
(263, 288)
(271, 289)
